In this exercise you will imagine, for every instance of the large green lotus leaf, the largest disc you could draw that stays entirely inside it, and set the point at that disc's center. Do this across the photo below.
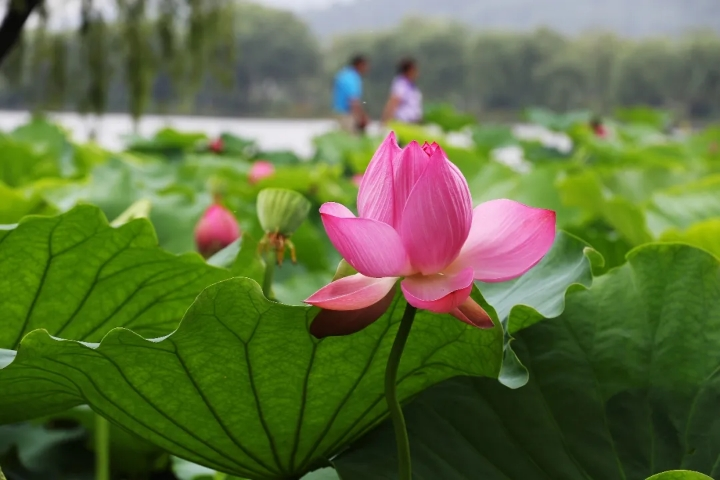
(16, 203)
(635, 184)
(242, 258)
(76, 277)
(34, 452)
(682, 206)
(199, 169)
(679, 475)
(705, 235)
(606, 241)
(586, 191)
(653, 118)
(536, 188)
(166, 142)
(292, 283)
(198, 402)
(406, 133)
(493, 181)
(624, 384)
(61, 447)
(117, 184)
(556, 121)
(628, 220)
(489, 137)
(185, 470)
(21, 163)
(53, 140)
(469, 161)
(540, 293)
(241, 386)
(338, 147)
(447, 117)
(639, 184)
(654, 150)
(128, 453)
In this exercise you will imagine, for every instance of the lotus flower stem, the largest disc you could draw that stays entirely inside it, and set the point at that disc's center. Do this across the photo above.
(401, 436)
(102, 449)
(269, 272)
(2, 475)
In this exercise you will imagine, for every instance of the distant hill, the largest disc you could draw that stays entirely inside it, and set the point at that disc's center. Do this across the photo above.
(630, 18)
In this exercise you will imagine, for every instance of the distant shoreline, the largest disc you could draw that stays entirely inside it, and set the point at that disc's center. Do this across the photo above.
(111, 129)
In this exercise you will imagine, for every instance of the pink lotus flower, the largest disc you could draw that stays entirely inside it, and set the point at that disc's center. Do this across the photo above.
(357, 179)
(417, 223)
(259, 170)
(217, 229)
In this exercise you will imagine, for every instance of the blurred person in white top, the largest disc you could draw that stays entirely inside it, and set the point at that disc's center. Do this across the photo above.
(405, 102)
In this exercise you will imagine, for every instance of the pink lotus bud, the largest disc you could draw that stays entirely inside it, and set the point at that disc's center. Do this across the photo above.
(217, 145)
(357, 179)
(217, 229)
(259, 170)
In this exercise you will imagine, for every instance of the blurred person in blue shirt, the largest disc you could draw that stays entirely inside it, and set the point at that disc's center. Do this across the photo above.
(347, 95)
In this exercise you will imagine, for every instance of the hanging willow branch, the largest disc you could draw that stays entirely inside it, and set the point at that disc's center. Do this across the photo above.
(223, 51)
(95, 61)
(209, 42)
(40, 53)
(12, 25)
(14, 67)
(166, 29)
(140, 68)
(57, 89)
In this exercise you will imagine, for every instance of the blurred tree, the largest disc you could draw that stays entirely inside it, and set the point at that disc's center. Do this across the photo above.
(94, 61)
(278, 58)
(598, 53)
(184, 40)
(696, 83)
(645, 72)
(562, 80)
(236, 58)
(138, 55)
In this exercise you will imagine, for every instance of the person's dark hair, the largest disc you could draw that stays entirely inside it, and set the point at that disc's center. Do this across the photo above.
(357, 60)
(405, 65)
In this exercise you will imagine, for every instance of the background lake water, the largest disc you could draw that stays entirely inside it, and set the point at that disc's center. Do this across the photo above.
(270, 134)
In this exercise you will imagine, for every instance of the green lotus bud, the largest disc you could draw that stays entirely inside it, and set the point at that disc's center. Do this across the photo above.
(281, 211)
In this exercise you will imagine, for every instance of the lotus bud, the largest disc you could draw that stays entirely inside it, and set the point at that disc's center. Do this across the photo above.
(259, 170)
(217, 229)
(281, 212)
(217, 145)
(357, 179)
